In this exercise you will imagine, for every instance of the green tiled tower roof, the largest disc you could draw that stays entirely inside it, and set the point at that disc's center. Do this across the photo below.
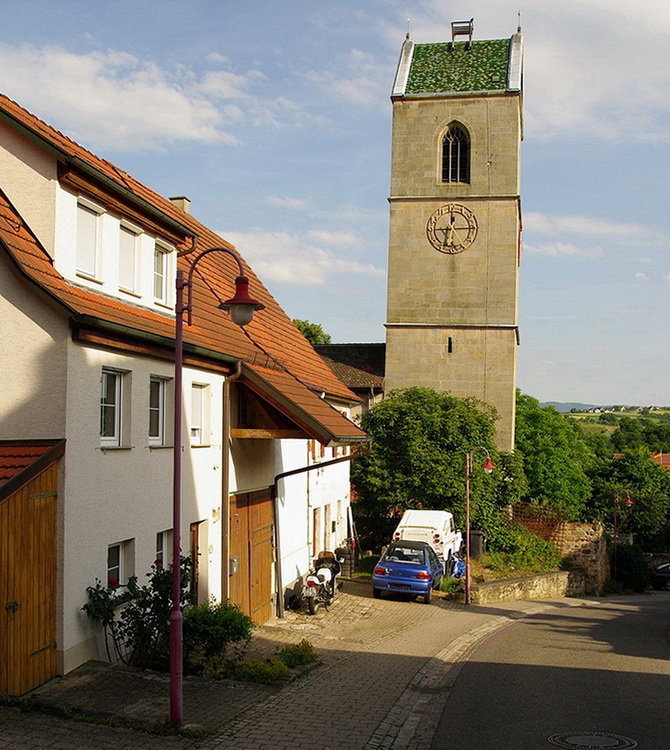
(459, 66)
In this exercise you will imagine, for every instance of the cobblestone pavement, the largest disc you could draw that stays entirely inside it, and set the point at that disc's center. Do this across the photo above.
(385, 668)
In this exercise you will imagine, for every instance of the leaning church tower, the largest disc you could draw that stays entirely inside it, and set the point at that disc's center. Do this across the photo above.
(455, 220)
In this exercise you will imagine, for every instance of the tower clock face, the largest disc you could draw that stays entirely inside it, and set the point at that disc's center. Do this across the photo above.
(452, 228)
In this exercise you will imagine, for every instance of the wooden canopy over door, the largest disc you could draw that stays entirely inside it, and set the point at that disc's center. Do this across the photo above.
(251, 544)
(28, 566)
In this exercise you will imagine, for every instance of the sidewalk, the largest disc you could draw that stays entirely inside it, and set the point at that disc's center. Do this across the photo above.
(385, 669)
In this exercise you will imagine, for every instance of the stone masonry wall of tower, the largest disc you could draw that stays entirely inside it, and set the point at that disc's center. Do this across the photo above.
(452, 316)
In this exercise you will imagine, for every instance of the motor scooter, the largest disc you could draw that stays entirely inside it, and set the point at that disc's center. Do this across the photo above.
(320, 584)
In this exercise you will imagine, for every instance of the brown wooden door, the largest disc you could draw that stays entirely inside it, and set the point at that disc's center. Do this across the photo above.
(28, 585)
(251, 542)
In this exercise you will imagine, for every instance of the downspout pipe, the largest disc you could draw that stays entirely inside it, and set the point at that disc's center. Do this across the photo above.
(275, 508)
(225, 482)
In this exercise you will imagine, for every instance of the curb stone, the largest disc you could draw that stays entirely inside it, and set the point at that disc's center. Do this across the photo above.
(413, 719)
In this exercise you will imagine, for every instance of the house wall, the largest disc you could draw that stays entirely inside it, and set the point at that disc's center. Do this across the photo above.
(33, 358)
(29, 180)
(124, 495)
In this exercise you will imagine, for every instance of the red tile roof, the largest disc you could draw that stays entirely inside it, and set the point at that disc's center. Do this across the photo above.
(270, 337)
(18, 457)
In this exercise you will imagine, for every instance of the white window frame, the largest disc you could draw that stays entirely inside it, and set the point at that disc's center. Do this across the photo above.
(112, 440)
(161, 276)
(163, 548)
(90, 209)
(120, 560)
(200, 406)
(129, 265)
(159, 409)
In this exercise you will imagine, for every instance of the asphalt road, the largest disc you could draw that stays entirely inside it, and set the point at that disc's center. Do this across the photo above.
(595, 675)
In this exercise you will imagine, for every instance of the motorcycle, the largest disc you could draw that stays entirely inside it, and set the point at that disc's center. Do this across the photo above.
(320, 584)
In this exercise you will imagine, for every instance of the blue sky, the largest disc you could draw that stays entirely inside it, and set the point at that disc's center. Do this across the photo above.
(275, 120)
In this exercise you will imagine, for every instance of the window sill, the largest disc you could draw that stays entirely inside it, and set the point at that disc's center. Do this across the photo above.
(105, 448)
(88, 277)
(201, 445)
(130, 293)
(159, 446)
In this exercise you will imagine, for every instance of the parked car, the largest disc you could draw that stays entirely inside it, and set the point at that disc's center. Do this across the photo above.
(408, 567)
(660, 576)
(433, 526)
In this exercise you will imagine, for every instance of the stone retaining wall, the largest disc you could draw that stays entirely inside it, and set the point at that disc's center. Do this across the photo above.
(541, 586)
(585, 545)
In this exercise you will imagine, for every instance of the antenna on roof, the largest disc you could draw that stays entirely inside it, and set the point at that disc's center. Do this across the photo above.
(407, 35)
(518, 28)
(462, 28)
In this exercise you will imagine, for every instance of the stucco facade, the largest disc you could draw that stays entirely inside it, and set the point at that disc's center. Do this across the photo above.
(64, 334)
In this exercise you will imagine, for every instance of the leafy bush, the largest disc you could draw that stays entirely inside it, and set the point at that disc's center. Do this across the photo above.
(632, 570)
(297, 654)
(517, 550)
(137, 618)
(210, 627)
(267, 671)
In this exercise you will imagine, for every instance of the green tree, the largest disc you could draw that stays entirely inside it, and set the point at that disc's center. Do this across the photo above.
(648, 485)
(555, 457)
(312, 332)
(419, 441)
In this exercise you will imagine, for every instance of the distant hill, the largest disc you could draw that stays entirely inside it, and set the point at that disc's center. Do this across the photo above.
(568, 406)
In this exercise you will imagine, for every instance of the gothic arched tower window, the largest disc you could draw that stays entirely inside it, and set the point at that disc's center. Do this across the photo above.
(456, 155)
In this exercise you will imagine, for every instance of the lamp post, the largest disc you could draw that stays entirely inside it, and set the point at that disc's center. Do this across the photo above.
(488, 468)
(617, 504)
(241, 307)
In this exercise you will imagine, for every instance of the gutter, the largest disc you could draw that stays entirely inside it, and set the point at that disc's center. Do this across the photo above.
(225, 483)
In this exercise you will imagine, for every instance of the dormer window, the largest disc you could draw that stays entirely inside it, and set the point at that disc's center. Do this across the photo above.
(88, 238)
(161, 272)
(129, 237)
(456, 155)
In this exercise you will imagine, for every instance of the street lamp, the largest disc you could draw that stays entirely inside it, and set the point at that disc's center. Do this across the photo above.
(241, 308)
(488, 468)
(617, 505)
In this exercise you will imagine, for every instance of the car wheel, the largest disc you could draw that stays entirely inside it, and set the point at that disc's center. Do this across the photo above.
(376, 593)
(313, 605)
(667, 584)
(427, 597)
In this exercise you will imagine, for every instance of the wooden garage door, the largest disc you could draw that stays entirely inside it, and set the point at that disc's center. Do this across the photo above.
(28, 585)
(251, 542)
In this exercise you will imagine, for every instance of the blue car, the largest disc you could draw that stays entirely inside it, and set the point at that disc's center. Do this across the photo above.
(408, 568)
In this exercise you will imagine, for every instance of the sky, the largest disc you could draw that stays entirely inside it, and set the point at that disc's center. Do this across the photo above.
(275, 120)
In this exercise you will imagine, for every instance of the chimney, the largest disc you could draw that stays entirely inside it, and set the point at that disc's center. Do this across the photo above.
(182, 202)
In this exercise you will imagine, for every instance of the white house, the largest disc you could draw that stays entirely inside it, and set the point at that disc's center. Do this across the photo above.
(88, 257)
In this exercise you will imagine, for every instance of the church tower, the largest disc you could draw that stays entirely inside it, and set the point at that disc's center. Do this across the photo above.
(455, 220)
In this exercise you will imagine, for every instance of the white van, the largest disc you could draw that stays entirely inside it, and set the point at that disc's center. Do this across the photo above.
(433, 526)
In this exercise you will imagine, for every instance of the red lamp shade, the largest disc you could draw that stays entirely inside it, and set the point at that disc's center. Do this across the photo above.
(488, 465)
(629, 502)
(241, 306)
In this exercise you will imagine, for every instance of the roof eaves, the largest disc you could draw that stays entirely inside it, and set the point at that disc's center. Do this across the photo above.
(90, 170)
(308, 422)
(53, 450)
(153, 338)
(78, 162)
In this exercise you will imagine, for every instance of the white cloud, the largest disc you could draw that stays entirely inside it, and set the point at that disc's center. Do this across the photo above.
(593, 68)
(639, 276)
(116, 100)
(298, 204)
(362, 80)
(335, 238)
(579, 225)
(562, 249)
(284, 258)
